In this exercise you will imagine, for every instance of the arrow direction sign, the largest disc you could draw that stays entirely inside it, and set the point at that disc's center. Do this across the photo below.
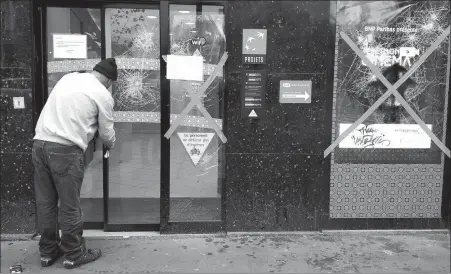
(304, 96)
(293, 92)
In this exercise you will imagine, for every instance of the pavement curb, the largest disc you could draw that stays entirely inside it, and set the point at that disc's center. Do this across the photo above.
(115, 236)
(343, 233)
(16, 237)
(101, 235)
(388, 232)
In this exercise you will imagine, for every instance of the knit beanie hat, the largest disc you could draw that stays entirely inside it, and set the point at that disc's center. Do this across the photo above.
(108, 68)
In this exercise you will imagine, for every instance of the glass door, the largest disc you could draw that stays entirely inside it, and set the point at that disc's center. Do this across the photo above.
(132, 36)
(123, 191)
(196, 151)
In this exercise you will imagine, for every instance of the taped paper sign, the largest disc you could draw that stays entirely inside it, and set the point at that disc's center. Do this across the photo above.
(386, 136)
(195, 144)
(70, 46)
(181, 67)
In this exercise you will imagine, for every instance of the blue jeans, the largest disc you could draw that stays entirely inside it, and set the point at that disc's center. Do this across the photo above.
(58, 175)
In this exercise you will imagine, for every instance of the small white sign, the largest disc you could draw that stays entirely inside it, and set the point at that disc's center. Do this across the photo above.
(195, 144)
(18, 102)
(407, 136)
(181, 67)
(253, 114)
(295, 92)
(70, 46)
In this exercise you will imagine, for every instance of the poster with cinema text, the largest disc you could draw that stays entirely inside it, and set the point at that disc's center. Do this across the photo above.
(393, 35)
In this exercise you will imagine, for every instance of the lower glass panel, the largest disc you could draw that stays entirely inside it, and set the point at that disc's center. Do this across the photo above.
(134, 182)
(91, 195)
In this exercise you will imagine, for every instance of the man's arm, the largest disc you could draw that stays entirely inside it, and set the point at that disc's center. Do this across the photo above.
(106, 123)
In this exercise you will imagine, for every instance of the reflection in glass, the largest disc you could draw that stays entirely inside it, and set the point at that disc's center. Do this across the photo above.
(72, 21)
(15, 51)
(195, 188)
(87, 22)
(132, 37)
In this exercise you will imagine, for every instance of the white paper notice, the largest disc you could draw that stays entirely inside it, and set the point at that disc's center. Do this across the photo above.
(406, 136)
(181, 67)
(195, 144)
(70, 46)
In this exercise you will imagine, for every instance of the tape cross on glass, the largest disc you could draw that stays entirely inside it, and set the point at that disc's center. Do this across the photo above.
(392, 89)
(196, 101)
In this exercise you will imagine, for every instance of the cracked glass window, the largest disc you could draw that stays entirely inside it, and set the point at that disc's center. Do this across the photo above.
(196, 150)
(133, 38)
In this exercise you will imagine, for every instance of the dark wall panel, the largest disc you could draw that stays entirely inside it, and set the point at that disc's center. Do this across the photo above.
(277, 178)
(16, 125)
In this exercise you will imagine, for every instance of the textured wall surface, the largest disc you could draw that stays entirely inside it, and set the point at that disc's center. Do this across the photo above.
(277, 178)
(16, 125)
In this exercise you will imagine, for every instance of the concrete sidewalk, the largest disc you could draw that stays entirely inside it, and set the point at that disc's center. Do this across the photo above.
(363, 252)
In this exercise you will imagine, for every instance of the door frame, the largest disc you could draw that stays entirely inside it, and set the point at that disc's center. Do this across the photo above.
(40, 94)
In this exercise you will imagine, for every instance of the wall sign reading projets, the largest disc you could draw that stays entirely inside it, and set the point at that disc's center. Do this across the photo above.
(254, 46)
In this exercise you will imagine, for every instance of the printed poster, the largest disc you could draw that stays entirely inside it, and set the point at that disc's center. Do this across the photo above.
(188, 68)
(195, 144)
(70, 46)
(393, 35)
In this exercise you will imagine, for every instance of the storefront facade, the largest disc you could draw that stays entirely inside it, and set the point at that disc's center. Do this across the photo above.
(276, 85)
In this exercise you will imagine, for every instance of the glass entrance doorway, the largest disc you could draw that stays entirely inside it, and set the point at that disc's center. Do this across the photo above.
(148, 182)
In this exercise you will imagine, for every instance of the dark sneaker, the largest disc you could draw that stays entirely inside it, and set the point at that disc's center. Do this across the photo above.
(48, 261)
(90, 256)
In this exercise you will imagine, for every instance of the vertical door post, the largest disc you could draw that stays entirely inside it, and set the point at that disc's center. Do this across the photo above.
(165, 118)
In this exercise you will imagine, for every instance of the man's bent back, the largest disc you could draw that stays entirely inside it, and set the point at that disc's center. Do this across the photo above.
(70, 114)
(79, 106)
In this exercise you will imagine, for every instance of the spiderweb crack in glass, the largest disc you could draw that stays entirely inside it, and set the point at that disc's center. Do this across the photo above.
(180, 47)
(134, 91)
(135, 43)
(423, 17)
(143, 40)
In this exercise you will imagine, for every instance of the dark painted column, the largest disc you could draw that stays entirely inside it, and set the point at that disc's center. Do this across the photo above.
(16, 125)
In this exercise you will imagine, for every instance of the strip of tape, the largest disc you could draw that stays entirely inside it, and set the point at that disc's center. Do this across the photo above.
(392, 89)
(195, 100)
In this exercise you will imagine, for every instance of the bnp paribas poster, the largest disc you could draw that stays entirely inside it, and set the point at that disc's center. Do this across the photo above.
(393, 35)
(388, 167)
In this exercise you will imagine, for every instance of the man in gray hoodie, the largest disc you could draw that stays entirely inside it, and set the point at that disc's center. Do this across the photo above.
(79, 105)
